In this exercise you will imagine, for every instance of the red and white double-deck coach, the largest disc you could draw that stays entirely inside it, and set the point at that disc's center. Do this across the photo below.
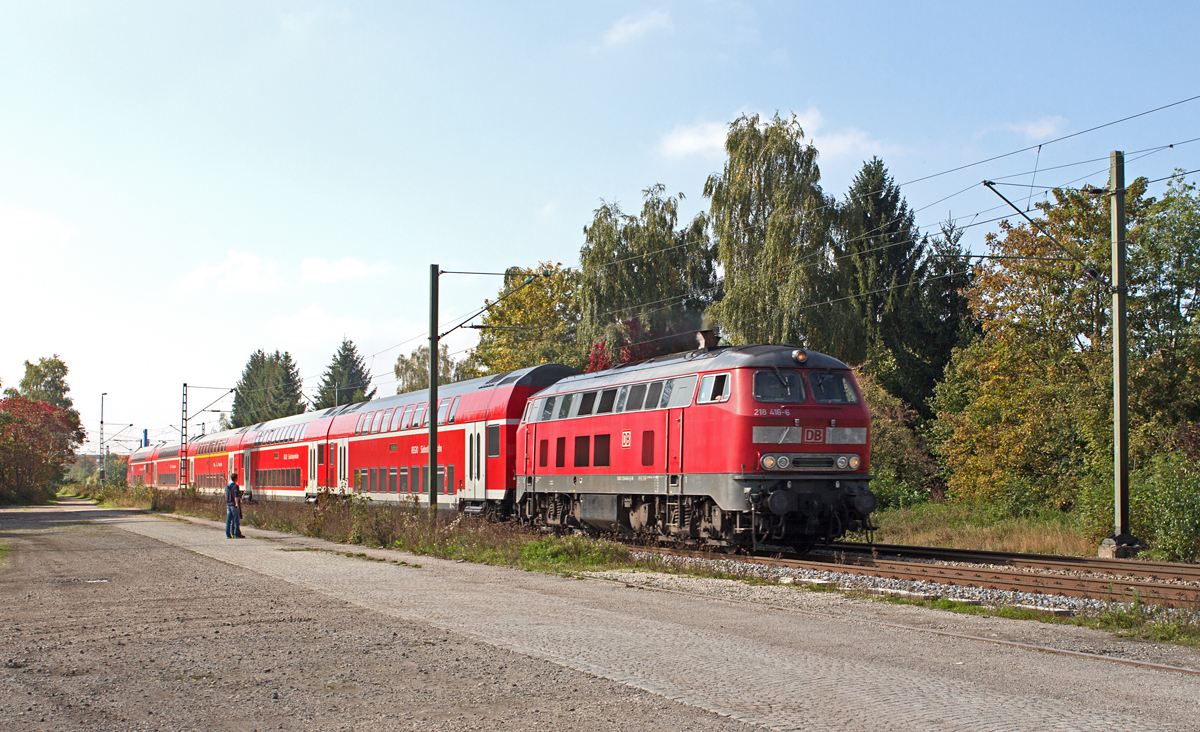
(728, 446)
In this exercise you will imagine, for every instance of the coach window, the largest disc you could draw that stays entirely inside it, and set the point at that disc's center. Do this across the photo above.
(648, 447)
(443, 409)
(493, 440)
(564, 409)
(621, 396)
(453, 409)
(600, 450)
(713, 388)
(607, 397)
(407, 416)
(637, 393)
(358, 427)
(547, 411)
(425, 415)
(321, 454)
(403, 482)
(397, 413)
(560, 452)
(383, 423)
(586, 402)
(543, 453)
(416, 422)
(583, 444)
(391, 480)
(376, 422)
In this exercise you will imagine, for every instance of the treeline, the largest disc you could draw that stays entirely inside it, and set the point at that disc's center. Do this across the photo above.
(39, 433)
(988, 383)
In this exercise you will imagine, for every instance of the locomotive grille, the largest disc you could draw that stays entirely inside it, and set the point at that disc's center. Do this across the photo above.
(819, 462)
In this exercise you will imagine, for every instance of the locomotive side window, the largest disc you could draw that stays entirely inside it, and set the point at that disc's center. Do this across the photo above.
(586, 402)
(779, 387)
(607, 397)
(565, 409)
(547, 411)
(668, 387)
(713, 388)
(653, 392)
(637, 393)
(832, 388)
(583, 444)
(493, 440)
(600, 451)
(560, 452)
(622, 395)
(681, 392)
(543, 453)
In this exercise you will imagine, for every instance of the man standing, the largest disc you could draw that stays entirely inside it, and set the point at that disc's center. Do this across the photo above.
(233, 509)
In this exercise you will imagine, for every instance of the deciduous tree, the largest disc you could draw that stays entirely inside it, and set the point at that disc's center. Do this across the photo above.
(46, 381)
(535, 319)
(37, 441)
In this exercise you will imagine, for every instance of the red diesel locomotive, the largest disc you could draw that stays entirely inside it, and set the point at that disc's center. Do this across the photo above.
(730, 447)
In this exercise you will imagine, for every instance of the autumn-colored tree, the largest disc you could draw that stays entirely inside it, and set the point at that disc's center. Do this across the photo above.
(533, 320)
(46, 381)
(37, 441)
(1025, 410)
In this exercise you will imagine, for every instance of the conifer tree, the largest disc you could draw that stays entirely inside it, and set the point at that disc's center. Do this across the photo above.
(270, 388)
(346, 379)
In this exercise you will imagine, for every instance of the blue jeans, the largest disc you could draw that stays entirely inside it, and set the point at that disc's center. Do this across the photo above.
(233, 521)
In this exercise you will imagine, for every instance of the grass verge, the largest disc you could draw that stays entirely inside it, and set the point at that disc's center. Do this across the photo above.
(964, 526)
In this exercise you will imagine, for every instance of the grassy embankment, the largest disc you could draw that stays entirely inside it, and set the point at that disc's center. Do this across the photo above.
(963, 526)
(407, 528)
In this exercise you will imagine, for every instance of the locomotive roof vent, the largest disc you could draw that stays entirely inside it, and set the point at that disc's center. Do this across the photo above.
(706, 340)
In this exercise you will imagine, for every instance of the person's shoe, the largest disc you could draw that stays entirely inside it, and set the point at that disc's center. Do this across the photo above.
(241, 536)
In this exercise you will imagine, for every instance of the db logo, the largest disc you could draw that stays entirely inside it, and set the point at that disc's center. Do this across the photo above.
(626, 438)
(814, 435)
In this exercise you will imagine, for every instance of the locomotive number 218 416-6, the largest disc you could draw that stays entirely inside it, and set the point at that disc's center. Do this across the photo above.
(772, 412)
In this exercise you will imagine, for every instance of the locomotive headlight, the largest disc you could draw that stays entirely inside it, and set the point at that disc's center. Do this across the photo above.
(783, 462)
(768, 462)
(854, 462)
(842, 462)
(799, 356)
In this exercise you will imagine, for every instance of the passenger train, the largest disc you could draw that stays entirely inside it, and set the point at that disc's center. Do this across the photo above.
(726, 447)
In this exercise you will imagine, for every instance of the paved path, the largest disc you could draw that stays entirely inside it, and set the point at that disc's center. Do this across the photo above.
(775, 668)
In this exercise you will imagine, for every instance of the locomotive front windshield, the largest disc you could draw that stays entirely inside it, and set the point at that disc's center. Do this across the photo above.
(779, 387)
(829, 387)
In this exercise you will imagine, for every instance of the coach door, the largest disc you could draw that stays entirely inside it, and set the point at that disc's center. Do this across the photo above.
(343, 460)
(311, 485)
(247, 473)
(475, 480)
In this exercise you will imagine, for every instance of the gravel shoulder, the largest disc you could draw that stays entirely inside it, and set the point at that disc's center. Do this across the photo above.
(108, 630)
(192, 631)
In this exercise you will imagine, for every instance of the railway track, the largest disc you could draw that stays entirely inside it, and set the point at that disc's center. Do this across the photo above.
(1156, 583)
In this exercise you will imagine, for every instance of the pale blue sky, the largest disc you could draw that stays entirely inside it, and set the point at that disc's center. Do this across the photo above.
(182, 183)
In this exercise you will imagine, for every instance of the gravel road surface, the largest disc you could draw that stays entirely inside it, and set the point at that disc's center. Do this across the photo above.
(136, 621)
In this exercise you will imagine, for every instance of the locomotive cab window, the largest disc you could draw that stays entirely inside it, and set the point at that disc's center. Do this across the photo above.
(829, 387)
(778, 387)
(713, 388)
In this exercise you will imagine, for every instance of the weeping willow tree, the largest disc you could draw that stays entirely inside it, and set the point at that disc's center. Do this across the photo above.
(771, 223)
(645, 284)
